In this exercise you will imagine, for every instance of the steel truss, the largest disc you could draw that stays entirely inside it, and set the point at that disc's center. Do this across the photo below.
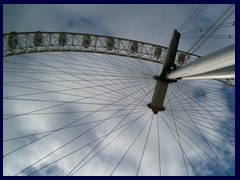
(33, 42)
(30, 42)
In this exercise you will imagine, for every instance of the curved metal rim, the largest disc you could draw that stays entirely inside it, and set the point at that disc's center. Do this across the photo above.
(50, 44)
(25, 43)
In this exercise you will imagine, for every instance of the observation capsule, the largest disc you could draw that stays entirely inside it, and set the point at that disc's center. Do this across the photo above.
(86, 41)
(157, 52)
(12, 41)
(62, 39)
(134, 47)
(38, 38)
(110, 43)
(181, 58)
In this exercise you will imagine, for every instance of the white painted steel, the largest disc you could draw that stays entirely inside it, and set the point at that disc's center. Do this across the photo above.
(217, 63)
(223, 73)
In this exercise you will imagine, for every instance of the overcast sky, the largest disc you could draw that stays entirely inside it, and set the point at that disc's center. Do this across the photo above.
(148, 23)
(213, 152)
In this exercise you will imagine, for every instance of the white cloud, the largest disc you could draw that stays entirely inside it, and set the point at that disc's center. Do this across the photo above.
(150, 23)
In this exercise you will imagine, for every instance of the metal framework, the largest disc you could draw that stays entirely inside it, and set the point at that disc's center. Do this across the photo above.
(229, 82)
(217, 65)
(161, 86)
(32, 42)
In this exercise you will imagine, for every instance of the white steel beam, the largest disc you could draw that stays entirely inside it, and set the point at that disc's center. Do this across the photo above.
(219, 64)
(223, 73)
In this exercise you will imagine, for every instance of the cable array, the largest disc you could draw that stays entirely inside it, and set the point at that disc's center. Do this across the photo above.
(212, 29)
(95, 114)
(192, 16)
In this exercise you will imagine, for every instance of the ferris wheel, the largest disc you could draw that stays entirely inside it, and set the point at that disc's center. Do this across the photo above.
(86, 104)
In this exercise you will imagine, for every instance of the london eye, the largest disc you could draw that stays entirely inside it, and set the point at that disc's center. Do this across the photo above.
(89, 104)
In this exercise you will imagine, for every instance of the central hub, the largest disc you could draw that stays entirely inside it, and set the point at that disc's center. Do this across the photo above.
(161, 86)
(155, 111)
(158, 96)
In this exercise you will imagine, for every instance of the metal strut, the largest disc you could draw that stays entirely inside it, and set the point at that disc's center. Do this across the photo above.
(161, 81)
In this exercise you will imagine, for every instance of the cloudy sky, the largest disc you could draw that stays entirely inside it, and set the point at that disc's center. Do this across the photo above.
(148, 23)
(87, 113)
